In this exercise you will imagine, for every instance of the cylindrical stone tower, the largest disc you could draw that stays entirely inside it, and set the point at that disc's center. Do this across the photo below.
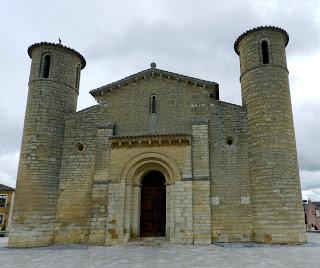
(273, 167)
(53, 93)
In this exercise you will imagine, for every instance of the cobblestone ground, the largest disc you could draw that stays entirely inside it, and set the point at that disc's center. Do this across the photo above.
(221, 255)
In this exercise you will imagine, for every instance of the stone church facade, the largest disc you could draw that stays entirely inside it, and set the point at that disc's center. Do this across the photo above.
(159, 155)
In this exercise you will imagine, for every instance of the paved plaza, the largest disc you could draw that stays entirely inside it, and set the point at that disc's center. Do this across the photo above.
(164, 255)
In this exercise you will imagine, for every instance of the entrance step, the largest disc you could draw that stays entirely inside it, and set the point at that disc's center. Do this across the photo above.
(150, 241)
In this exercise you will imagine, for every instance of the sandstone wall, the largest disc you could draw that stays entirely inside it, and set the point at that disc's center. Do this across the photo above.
(49, 101)
(273, 166)
(230, 188)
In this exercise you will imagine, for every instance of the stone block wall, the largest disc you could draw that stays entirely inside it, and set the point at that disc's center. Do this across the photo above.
(183, 216)
(201, 212)
(201, 183)
(99, 212)
(131, 103)
(273, 165)
(77, 175)
(49, 101)
(115, 216)
(230, 184)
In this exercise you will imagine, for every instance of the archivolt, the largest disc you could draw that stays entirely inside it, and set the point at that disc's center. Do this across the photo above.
(141, 164)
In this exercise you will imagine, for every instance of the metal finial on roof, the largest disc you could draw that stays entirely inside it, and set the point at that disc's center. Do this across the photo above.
(153, 65)
(59, 41)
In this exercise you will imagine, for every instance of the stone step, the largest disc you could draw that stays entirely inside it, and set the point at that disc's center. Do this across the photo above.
(150, 241)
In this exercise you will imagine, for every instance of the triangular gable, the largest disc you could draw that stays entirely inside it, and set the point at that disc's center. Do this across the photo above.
(153, 71)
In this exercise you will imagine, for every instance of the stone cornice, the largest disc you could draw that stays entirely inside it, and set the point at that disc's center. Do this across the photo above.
(150, 140)
(154, 72)
(83, 61)
(274, 28)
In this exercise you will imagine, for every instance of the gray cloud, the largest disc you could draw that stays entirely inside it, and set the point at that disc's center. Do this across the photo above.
(10, 134)
(307, 115)
(8, 168)
(312, 194)
(310, 180)
(119, 38)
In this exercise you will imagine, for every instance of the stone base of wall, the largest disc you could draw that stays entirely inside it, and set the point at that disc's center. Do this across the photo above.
(283, 238)
(23, 241)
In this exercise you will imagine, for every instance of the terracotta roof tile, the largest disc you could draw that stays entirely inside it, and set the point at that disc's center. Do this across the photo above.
(5, 188)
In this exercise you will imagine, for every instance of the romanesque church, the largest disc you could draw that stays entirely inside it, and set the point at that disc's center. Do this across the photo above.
(159, 155)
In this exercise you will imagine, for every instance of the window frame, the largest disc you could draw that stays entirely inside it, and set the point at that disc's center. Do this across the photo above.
(77, 84)
(153, 104)
(42, 65)
(6, 197)
(262, 53)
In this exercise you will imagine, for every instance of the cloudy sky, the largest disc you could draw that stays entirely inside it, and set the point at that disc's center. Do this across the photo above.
(195, 38)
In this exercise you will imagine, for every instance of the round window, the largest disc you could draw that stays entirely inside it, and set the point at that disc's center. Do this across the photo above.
(79, 147)
(229, 141)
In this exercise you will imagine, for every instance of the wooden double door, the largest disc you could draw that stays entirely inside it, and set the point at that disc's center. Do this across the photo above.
(153, 205)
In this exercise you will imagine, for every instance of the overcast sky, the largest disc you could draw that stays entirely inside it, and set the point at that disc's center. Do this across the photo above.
(195, 38)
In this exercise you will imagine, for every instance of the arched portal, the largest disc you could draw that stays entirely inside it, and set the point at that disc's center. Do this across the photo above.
(153, 205)
(132, 177)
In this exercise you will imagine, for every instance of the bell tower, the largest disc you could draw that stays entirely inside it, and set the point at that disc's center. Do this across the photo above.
(53, 93)
(273, 166)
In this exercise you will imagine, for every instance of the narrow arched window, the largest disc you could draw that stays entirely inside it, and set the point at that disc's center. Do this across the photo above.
(153, 105)
(77, 77)
(46, 66)
(265, 52)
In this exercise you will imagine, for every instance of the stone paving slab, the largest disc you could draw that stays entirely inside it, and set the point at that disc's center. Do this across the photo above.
(218, 255)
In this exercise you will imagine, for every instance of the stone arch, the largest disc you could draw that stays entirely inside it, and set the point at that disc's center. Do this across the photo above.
(77, 83)
(141, 164)
(45, 65)
(153, 104)
(131, 178)
(264, 51)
